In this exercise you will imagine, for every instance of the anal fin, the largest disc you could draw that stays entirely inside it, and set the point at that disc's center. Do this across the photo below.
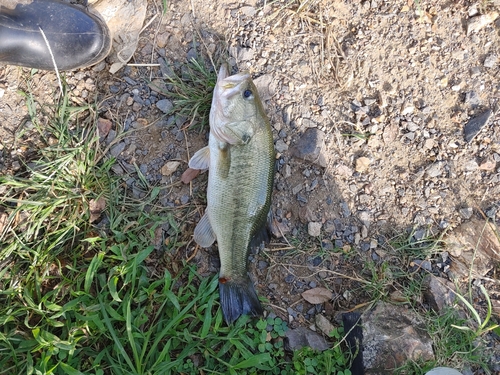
(203, 233)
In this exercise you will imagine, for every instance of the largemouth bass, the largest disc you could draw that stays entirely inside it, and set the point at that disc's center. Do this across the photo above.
(240, 161)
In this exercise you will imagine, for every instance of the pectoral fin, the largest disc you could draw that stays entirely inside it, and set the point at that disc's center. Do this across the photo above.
(201, 159)
(224, 160)
(203, 233)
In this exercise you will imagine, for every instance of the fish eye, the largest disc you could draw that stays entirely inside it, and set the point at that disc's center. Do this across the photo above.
(247, 93)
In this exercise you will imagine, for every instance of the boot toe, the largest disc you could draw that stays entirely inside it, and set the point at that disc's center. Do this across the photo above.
(76, 37)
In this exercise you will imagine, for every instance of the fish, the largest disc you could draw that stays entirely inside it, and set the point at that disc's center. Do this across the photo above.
(240, 159)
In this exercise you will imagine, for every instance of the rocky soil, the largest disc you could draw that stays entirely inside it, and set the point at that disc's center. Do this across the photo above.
(385, 117)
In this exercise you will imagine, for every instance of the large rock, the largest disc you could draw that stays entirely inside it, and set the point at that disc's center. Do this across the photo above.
(301, 336)
(474, 248)
(311, 147)
(393, 335)
(438, 292)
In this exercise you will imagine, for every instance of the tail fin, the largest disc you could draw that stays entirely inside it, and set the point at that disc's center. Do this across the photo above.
(238, 297)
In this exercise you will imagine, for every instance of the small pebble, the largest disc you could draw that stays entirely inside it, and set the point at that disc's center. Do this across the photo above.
(117, 149)
(490, 61)
(262, 265)
(164, 105)
(466, 212)
(301, 198)
(114, 89)
(314, 229)
(281, 146)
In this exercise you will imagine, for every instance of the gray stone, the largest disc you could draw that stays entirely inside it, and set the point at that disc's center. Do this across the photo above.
(423, 264)
(287, 114)
(144, 168)
(130, 81)
(281, 146)
(491, 212)
(265, 86)
(366, 218)
(466, 212)
(301, 198)
(438, 292)
(311, 147)
(241, 53)
(301, 336)
(475, 125)
(248, 11)
(392, 335)
(99, 67)
(324, 324)
(291, 312)
(314, 229)
(420, 234)
(191, 54)
(490, 61)
(434, 170)
(164, 105)
(475, 71)
(117, 169)
(111, 136)
(179, 136)
(166, 70)
(472, 99)
(443, 371)
(308, 123)
(344, 206)
(117, 149)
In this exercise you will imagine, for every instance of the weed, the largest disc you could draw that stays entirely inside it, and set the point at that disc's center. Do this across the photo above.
(482, 325)
(412, 246)
(190, 90)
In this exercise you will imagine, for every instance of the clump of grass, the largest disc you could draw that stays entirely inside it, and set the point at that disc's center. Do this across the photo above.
(292, 7)
(190, 88)
(409, 245)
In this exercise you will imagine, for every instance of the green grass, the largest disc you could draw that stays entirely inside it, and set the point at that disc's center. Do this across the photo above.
(96, 298)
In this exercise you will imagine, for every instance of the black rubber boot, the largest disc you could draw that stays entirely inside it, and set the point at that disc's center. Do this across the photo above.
(76, 37)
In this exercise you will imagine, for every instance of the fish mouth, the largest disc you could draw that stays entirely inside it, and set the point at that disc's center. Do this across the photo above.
(230, 85)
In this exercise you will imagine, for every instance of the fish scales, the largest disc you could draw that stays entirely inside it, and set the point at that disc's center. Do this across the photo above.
(239, 204)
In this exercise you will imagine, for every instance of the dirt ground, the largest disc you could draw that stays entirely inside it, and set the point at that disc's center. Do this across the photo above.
(391, 85)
